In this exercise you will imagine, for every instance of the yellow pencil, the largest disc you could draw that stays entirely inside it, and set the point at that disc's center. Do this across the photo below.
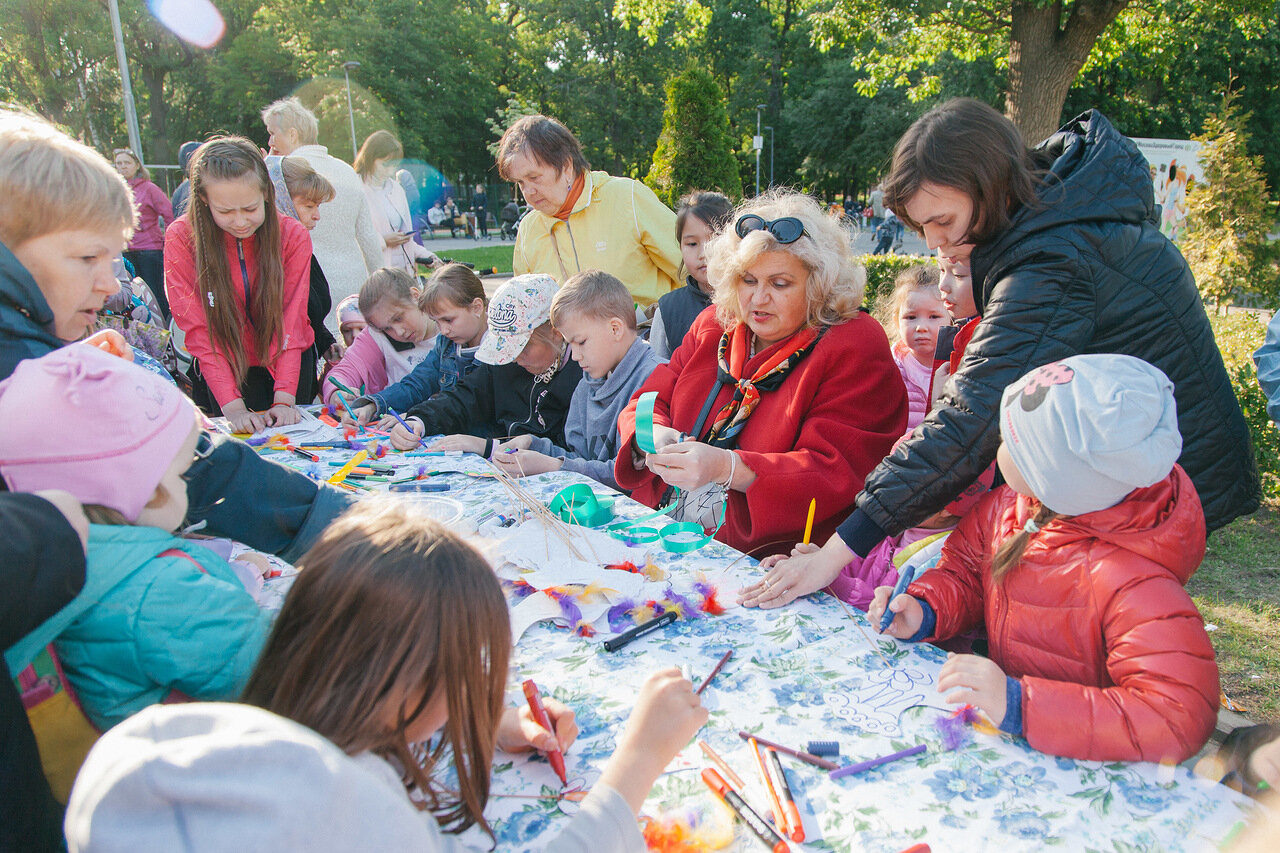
(808, 525)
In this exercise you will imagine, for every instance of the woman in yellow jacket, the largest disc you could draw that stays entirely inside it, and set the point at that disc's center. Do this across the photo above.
(584, 220)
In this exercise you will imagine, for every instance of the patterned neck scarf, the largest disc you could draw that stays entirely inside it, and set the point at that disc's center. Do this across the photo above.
(733, 357)
(575, 192)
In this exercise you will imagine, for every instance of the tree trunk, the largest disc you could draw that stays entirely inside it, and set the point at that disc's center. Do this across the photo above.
(1045, 55)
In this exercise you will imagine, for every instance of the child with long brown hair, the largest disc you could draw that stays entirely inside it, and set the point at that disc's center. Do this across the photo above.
(1076, 568)
(238, 276)
(395, 630)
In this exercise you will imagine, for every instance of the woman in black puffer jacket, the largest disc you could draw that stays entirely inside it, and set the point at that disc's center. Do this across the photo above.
(1067, 257)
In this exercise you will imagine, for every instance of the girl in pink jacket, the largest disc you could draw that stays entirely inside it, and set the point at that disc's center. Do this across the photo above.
(238, 275)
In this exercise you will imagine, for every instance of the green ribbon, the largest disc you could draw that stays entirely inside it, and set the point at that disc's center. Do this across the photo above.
(644, 421)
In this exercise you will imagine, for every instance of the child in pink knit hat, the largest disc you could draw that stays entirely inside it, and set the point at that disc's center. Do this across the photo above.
(159, 615)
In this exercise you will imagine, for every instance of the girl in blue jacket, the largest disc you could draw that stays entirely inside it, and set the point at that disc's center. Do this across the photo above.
(158, 616)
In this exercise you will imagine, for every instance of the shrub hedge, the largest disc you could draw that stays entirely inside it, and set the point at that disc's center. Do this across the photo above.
(1238, 336)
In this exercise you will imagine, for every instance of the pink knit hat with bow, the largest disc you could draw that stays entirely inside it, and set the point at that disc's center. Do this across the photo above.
(93, 424)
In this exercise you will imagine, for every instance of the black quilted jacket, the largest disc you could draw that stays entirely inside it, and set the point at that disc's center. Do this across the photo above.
(1086, 271)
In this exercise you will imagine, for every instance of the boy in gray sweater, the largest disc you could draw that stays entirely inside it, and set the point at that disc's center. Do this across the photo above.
(593, 312)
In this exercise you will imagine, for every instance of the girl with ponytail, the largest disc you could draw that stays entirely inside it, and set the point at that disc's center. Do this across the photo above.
(237, 274)
(1076, 568)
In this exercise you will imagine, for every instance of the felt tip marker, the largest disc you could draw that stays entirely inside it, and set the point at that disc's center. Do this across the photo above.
(806, 757)
(540, 716)
(614, 643)
(876, 762)
(775, 805)
(418, 486)
(904, 580)
(795, 827)
(745, 813)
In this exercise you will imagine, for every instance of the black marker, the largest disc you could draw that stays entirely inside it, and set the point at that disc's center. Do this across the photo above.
(745, 813)
(615, 643)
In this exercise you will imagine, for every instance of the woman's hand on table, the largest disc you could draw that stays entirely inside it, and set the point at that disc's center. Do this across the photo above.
(241, 419)
(465, 443)
(526, 463)
(667, 714)
(403, 439)
(807, 569)
(908, 614)
(519, 732)
(690, 464)
(977, 681)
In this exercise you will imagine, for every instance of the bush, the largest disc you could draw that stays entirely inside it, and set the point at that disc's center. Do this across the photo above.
(1238, 336)
(695, 148)
(883, 269)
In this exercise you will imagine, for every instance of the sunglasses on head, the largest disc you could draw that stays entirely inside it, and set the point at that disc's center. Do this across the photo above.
(788, 229)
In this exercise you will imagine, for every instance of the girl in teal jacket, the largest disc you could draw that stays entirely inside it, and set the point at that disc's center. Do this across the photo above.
(159, 616)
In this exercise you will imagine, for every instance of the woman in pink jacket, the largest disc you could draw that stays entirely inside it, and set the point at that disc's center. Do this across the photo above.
(155, 213)
(238, 276)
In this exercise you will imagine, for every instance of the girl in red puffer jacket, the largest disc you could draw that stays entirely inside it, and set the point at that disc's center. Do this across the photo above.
(1076, 567)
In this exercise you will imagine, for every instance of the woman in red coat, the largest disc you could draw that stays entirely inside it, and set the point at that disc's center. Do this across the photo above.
(1076, 568)
(783, 390)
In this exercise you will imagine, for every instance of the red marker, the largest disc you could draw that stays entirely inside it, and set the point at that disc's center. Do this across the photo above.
(555, 757)
(745, 813)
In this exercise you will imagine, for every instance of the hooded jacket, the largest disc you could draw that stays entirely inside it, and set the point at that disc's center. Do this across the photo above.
(617, 225)
(591, 427)
(1085, 271)
(1112, 654)
(238, 494)
(150, 621)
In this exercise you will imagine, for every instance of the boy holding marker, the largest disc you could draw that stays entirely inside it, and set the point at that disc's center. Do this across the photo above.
(594, 314)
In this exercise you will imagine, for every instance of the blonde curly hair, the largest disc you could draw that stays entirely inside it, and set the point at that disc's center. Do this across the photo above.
(836, 281)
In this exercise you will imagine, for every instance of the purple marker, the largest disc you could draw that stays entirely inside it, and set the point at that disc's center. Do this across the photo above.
(876, 762)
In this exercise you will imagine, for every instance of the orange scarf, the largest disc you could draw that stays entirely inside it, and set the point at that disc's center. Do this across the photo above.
(575, 192)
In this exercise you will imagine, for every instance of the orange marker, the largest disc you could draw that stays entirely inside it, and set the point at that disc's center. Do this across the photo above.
(758, 825)
(779, 817)
(795, 827)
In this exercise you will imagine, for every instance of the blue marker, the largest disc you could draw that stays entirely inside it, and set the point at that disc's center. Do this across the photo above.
(904, 581)
(419, 486)
(390, 411)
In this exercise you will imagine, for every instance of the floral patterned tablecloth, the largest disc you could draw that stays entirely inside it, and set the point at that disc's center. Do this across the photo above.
(813, 671)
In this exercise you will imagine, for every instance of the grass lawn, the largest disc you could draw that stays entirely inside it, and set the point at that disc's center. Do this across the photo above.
(483, 257)
(1238, 589)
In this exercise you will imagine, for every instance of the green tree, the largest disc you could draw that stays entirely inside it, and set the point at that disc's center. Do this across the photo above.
(694, 149)
(1228, 216)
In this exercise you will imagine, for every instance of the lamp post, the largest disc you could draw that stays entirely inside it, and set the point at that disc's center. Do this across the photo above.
(770, 129)
(347, 68)
(757, 142)
(130, 111)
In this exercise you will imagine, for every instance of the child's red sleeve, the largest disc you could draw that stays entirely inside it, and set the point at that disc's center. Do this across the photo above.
(955, 588)
(1163, 704)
